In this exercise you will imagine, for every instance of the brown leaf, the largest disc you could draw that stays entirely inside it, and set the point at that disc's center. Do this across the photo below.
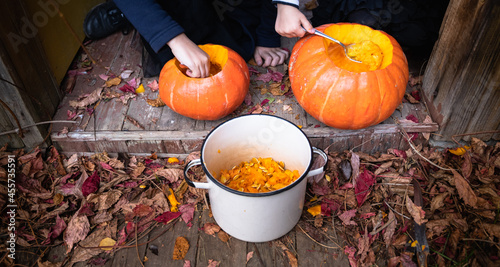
(106, 200)
(292, 260)
(390, 230)
(464, 190)
(311, 5)
(438, 201)
(87, 100)
(492, 229)
(415, 211)
(223, 236)
(355, 167)
(77, 230)
(82, 254)
(466, 166)
(155, 102)
(171, 174)
(211, 228)
(181, 247)
(113, 82)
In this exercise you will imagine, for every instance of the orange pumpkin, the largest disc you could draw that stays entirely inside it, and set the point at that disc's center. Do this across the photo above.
(208, 98)
(342, 93)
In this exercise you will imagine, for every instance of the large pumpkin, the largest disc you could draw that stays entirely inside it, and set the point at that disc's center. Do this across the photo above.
(342, 93)
(208, 98)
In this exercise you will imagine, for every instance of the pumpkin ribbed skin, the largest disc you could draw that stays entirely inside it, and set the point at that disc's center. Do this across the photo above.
(338, 92)
(208, 98)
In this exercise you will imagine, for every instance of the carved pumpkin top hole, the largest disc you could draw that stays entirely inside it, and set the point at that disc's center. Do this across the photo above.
(371, 47)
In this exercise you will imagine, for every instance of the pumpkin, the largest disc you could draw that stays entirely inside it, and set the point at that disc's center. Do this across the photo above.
(209, 98)
(342, 93)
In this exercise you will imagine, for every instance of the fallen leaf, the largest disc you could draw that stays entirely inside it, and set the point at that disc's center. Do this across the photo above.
(114, 81)
(351, 255)
(91, 184)
(187, 212)
(346, 217)
(55, 231)
(459, 151)
(362, 187)
(87, 100)
(142, 210)
(171, 174)
(492, 229)
(464, 190)
(107, 242)
(126, 88)
(168, 216)
(292, 260)
(438, 201)
(390, 230)
(314, 210)
(126, 74)
(311, 5)
(153, 85)
(181, 248)
(77, 230)
(212, 263)
(211, 228)
(249, 255)
(416, 212)
(223, 236)
(187, 263)
(140, 89)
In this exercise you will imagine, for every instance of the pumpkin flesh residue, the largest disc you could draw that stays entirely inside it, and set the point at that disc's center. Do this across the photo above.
(259, 175)
(367, 52)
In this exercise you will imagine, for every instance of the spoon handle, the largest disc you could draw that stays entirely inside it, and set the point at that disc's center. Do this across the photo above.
(325, 36)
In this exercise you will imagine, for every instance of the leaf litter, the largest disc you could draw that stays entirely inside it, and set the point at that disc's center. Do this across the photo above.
(366, 205)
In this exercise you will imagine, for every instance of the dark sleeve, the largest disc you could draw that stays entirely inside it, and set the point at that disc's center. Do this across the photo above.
(151, 20)
(266, 34)
(294, 3)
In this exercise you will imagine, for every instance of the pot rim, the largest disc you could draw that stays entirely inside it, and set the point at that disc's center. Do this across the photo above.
(247, 194)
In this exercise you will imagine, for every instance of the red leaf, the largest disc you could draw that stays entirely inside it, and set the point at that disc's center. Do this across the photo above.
(127, 88)
(187, 211)
(106, 166)
(91, 184)
(363, 186)
(166, 217)
(55, 231)
(271, 75)
(412, 117)
(142, 210)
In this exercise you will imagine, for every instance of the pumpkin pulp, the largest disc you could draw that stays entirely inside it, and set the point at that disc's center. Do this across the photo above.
(259, 175)
(370, 47)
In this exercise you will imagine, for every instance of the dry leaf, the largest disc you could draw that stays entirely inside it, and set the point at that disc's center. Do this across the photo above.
(107, 242)
(77, 230)
(464, 190)
(105, 200)
(292, 260)
(391, 229)
(311, 5)
(223, 236)
(87, 100)
(155, 102)
(113, 82)
(416, 212)
(249, 255)
(172, 175)
(181, 248)
(438, 201)
(211, 228)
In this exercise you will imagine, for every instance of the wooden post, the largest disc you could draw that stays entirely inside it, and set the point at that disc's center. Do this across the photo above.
(461, 82)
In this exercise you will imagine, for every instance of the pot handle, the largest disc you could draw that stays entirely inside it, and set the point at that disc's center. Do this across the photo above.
(320, 169)
(188, 181)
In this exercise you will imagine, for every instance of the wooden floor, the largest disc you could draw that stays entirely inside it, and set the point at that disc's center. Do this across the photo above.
(204, 247)
(109, 128)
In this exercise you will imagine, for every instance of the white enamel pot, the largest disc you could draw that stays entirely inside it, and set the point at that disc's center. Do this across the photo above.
(255, 217)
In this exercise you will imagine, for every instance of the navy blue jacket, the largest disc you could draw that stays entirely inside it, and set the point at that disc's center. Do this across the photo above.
(158, 21)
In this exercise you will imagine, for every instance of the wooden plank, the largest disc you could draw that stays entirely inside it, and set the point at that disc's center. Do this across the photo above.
(166, 242)
(174, 146)
(108, 146)
(128, 256)
(312, 254)
(134, 146)
(146, 115)
(232, 253)
(71, 146)
(108, 116)
(171, 121)
(460, 83)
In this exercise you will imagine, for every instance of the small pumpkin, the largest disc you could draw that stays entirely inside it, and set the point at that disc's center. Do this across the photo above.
(209, 98)
(342, 93)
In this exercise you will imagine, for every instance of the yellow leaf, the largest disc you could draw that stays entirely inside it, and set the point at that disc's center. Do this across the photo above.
(300, 126)
(459, 151)
(155, 102)
(142, 186)
(313, 199)
(140, 89)
(173, 160)
(114, 81)
(314, 210)
(173, 201)
(328, 178)
(414, 243)
(106, 242)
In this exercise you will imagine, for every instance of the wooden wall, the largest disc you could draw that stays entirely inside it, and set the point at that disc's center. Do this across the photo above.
(461, 84)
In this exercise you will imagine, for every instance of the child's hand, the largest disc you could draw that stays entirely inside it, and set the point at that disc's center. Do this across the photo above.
(269, 56)
(190, 55)
(290, 20)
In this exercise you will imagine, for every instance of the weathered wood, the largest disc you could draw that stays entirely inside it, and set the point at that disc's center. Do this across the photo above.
(166, 242)
(461, 80)
(313, 254)
(232, 253)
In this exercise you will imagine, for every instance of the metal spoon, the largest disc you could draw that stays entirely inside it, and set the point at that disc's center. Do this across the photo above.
(334, 40)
